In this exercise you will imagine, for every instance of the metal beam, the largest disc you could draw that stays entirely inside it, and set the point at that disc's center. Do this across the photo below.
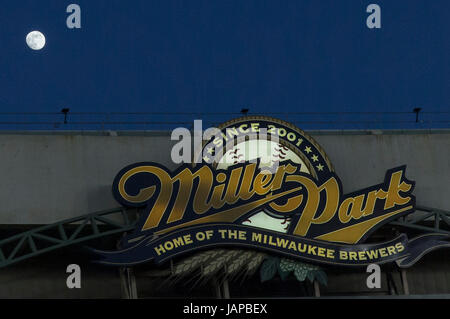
(439, 220)
(99, 224)
(316, 289)
(404, 281)
(61, 234)
(226, 289)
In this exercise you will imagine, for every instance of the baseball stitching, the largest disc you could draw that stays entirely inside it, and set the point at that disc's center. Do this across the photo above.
(280, 153)
(236, 157)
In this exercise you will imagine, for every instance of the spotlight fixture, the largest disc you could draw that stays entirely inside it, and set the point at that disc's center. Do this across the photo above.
(65, 111)
(417, 110)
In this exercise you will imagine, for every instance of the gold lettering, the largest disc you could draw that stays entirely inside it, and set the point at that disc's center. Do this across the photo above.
(260, 183)
(292, 246)
(256, 237)
(395, 187)
(255, 127)
(243, 130)
(361, 255)
(231, 195)
(391, 250)
(331, 189)
(373, 254)
(330, 253)
(399, 247)
(247, 180)
(321, 251)
(232, 131)
(281, 242)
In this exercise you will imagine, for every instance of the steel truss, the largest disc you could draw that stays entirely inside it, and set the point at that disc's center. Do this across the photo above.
(426, 219)
(65, 233)
(99, 224)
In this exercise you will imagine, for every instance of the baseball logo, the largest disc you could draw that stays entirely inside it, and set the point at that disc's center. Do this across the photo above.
(289, 144)
(270, 154)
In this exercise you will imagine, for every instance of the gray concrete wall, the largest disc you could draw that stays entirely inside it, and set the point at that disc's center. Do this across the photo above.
(362, 160)
(50, 177)
(47, 178)
(45, 277)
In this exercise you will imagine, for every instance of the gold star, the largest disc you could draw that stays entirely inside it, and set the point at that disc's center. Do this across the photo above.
(308, 149)
(209, 150)
(320, 167)
(206, 159)
(315, 158)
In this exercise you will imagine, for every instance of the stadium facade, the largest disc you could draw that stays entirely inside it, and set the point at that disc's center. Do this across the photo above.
(56, 176)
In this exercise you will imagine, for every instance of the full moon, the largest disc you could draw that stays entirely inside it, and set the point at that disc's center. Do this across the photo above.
(35, 40)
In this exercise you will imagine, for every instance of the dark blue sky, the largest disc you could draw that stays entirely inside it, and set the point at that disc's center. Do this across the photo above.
(221, 56)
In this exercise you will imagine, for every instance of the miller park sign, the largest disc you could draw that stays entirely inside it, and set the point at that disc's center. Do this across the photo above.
(262, 184)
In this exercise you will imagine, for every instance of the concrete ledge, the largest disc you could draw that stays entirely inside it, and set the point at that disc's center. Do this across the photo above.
(167, 133)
